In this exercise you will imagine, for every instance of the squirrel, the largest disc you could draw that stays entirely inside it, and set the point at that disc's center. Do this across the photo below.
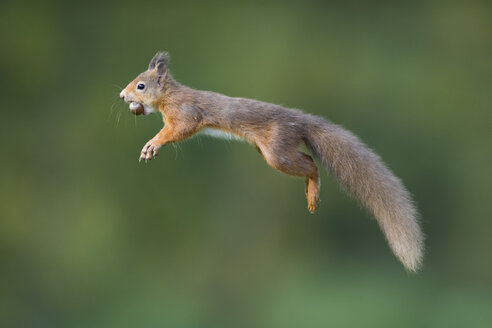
(277, 133)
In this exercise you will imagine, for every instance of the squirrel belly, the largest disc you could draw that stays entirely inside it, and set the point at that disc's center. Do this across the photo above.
(216, 133)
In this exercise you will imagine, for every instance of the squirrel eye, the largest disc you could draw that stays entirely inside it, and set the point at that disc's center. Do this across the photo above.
(141, 86)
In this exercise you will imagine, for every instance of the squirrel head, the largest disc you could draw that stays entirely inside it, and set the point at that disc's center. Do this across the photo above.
(145, 91)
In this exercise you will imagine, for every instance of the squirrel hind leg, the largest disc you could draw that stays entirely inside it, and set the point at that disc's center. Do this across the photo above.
(299, 164)
(312, 193)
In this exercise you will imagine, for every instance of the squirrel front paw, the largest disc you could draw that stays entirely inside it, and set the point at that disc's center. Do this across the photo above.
(150, 150)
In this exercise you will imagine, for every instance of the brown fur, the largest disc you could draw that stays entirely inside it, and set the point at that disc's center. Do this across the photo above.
(277, 132)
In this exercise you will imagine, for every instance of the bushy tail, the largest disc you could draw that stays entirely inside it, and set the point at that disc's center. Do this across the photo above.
(365, 177)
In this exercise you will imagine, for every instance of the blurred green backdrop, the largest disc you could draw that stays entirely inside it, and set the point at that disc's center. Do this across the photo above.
(208, 235)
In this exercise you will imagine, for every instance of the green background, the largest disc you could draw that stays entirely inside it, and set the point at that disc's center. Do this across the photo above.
(208, 235)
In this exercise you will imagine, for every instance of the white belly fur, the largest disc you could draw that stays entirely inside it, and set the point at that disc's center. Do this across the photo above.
(220, 134)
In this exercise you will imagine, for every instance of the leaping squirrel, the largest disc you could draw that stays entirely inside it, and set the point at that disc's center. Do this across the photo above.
(277, 132)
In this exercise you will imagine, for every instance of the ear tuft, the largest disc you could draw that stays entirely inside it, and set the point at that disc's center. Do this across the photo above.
(161, 59)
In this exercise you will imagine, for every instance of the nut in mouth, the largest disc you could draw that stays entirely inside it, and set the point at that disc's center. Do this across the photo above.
(136, 108)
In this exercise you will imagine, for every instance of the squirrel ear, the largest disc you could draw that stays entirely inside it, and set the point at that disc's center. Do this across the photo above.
(160, 59)
(161, 69)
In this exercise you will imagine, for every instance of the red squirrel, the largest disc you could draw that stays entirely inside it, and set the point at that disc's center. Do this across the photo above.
(277, 133)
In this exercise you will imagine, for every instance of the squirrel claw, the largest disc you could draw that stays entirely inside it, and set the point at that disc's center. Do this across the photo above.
(149, 151)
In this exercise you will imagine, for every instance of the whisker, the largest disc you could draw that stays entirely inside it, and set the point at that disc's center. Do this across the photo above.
(111, 110)
(118, 117)
(181, 149)
(175, 151)
(117, 86)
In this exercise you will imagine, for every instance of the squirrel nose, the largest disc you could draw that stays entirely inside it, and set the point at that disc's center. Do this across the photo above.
(122, 95)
